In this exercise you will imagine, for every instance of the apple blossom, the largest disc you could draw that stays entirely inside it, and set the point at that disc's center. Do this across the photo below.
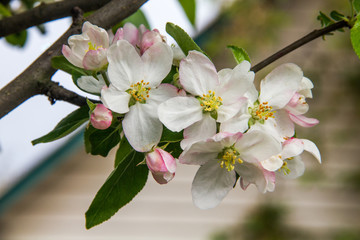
(101, 117)
(161, 164)
(88, 50)
(135, 90)
(90, 84)
(224, 155)
(216, 97)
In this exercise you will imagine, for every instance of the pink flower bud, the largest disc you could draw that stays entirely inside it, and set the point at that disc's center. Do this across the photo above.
(162, 165)
(101, 117)
(149, 38)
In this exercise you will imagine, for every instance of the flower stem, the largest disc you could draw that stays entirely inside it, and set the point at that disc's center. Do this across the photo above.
(302, 41)
(106, 79)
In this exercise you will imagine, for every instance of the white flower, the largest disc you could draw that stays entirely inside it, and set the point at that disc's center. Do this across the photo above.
(88, 50)
(217, 96)
(135, 90)
(223, 155)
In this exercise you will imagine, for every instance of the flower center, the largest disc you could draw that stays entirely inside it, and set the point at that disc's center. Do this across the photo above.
(228, 157)
(210, 102)
(93, 46)
(139, 92)
(261, 112)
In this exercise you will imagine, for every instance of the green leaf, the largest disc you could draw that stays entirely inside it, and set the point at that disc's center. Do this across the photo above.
(356, 5)
(100, 142)
(189, 7)
(355, 37)
(66, 125)
(124, 150)
(337, 16)
(137, 19)
(169, 136)
(324, 20)
(4, 11)
(17, 39)
(185, 42)
(121, 187)
(239, 54)
(60, 62)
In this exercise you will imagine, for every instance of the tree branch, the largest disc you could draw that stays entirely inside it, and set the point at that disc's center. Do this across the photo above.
(32, 81)
(302, 41)
(45, 13)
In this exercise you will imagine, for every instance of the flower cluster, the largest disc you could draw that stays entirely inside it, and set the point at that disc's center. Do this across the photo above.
(230, 129)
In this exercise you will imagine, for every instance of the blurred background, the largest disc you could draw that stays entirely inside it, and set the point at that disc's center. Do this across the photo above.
(48, 198)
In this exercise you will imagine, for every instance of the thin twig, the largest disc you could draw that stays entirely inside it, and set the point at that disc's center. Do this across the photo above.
(45, 13)
(302, 41)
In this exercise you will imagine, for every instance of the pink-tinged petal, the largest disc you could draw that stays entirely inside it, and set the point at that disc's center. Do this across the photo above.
(310, 147)
(101, 117)
(235, 83)
(128, 32)
(270, 180)
(90, 84)
(72, 58)
(161, 164)
(296, 167)
(251, 174)
(148, 39)
(198, 74)
(297, 105)
(201, 152)
(303, 121)
(141, 129)
(226, 139)
(97, 35)
(292, 147)
(157, 62)
(227, 111)
(163, 178)
(284, 125)
(79, 44)
(179, 113)
(280, 85)
(115, 100)
(256, 146)
(199, 131)
(211, 184)
(95, 59)
(162, 93)
(125, 65)
(273, 163)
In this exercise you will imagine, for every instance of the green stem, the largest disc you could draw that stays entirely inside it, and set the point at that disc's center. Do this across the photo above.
(105, 77)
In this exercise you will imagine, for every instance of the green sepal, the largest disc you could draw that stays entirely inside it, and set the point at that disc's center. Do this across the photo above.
(355, 37)
(125, 181)
(169, 136)
(124, 150)
(239, 54)
(189, 7)
(91, 105)
(100, 142)
(185, 42)
(67, 125)
(337, 16)
(324, 19)
(17, 39)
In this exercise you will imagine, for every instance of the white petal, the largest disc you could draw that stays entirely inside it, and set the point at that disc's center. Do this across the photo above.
(90, 84)
(272, 164)
(97, 35)
(125, 65)
(115, 100)
(201, 152)
(73, 58)
(269, 127)
(305, 87)
(292, 147)
(199, 131)
(95, 59)
(284, 125)
(251, 173)
(225, 112)
(235, 83)
(280, 85)
(141, 129)
(162, 93)
(303, 121)
(310, 147)
(157, 63)
(296, 167)
(211, 184)
(179, 113)
(239, 123)
(257, 146)
(198, 74)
